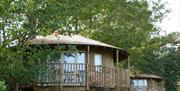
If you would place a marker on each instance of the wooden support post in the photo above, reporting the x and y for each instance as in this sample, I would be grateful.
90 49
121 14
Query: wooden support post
129 64
129 72
61 77
87 69
117 58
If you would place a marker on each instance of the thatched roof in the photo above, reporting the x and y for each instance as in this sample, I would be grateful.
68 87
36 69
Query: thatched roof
71 39
145 76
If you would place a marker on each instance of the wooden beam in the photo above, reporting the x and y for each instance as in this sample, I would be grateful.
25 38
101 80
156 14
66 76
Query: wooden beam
117 58
61 77
129 63
129 71
87 68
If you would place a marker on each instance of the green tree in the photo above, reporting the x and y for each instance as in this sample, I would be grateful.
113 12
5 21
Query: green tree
21 20
124 23
164 61
131 26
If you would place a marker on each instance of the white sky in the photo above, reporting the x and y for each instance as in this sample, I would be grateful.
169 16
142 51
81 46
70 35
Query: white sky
172 22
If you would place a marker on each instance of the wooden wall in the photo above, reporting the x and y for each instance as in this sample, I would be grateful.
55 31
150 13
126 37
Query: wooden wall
152 85
155 85
107 56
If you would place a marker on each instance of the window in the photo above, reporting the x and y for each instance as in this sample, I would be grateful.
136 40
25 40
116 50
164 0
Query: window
74 71
81 57
139 85
71 69
98 62
74 57
69 57
78 57
142 83
97 59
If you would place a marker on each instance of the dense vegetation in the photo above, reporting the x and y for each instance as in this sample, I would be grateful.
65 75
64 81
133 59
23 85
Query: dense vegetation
2 86
151 51
129 24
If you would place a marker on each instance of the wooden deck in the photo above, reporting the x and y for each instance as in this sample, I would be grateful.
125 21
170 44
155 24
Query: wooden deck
82 75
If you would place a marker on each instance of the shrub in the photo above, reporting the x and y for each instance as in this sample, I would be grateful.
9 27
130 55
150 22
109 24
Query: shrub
2 86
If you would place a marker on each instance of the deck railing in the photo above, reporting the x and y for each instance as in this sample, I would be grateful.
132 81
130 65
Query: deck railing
145 88
139 88
108 76
75 74
63 73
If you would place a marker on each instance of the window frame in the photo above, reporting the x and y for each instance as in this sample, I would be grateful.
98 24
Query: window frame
98 68
76 55
136 83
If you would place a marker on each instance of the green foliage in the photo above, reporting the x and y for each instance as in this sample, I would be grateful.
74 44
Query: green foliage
2 86
130 25
24 66
124 23
171 69
164 62
21 20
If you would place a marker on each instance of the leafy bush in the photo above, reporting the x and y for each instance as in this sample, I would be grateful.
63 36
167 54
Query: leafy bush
2 86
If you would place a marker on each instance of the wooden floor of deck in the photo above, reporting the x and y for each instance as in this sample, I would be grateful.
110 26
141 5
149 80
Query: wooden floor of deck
82 88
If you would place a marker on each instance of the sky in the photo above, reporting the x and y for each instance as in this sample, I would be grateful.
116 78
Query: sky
172 22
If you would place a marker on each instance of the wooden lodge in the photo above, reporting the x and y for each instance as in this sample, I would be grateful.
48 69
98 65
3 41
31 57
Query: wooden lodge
94 66
145 82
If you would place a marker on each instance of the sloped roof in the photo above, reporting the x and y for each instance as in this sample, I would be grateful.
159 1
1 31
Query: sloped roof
69 39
